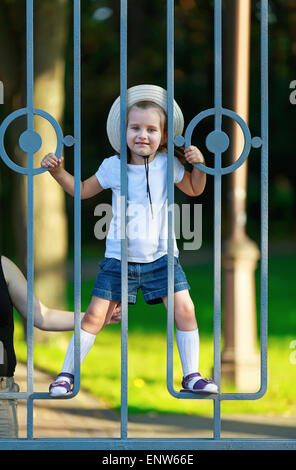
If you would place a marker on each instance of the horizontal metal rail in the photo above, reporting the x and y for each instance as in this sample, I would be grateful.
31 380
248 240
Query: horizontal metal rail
148 444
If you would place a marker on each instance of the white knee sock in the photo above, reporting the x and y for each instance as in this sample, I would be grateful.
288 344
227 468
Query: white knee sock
86 343
188 347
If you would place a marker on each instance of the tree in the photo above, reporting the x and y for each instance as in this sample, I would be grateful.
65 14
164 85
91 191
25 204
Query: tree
51 28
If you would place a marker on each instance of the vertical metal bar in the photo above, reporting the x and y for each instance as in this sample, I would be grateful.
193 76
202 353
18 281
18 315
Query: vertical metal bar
170 190
77 192
30 215
264 191
218 63
217 216
124 241
217 297
30 416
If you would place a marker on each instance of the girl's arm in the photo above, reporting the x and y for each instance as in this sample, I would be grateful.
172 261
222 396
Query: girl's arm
44 318
89 187
193 184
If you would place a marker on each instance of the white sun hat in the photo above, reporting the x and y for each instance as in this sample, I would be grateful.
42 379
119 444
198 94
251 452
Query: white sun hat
137 93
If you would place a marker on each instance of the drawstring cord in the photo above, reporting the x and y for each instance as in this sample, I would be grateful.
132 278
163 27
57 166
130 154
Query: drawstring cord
147 179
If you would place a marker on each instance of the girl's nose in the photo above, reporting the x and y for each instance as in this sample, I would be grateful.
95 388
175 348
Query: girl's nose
142 134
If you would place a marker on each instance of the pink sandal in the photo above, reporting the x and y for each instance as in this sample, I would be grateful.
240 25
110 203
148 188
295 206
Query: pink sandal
61 387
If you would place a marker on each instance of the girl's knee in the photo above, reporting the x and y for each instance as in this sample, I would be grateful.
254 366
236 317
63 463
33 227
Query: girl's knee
185 311
185 315
95 313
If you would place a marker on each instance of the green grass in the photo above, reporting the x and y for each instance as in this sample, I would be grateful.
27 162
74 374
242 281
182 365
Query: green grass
147 390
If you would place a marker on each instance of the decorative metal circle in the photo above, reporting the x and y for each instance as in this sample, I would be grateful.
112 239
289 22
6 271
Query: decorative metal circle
217 141
30 141
256 142
179 141
69 140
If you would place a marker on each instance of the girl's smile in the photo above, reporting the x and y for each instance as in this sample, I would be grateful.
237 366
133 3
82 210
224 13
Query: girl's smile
144 134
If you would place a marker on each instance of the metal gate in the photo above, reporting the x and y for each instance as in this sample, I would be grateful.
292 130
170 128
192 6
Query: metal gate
30 142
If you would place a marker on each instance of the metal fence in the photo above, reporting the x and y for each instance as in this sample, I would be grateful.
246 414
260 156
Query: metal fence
30 142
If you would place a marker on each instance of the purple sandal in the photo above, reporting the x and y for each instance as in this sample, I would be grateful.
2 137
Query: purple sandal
201 385
61 387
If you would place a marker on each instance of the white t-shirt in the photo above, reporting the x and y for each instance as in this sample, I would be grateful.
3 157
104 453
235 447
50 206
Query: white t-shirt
147 235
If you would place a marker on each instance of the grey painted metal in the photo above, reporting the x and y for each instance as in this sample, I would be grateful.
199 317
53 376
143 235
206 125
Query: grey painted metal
217 142
123 208
77 191
170 190
217 215
148 444
30 142
264 194
179 140
30 219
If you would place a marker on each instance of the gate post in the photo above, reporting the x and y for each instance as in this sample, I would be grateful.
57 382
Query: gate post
240 359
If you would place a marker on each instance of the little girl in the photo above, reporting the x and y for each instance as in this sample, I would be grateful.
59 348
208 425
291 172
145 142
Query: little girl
147 229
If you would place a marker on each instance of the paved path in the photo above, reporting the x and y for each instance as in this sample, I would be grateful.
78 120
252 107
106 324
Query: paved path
88 416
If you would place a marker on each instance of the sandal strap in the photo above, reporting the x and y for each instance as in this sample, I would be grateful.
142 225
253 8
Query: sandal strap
199 384
66 374
61 383
188 378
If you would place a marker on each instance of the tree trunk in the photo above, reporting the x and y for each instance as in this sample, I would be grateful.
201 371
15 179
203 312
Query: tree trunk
51 26
9 68
49 203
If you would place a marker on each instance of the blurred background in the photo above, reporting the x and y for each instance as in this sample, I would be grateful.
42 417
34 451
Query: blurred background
194 92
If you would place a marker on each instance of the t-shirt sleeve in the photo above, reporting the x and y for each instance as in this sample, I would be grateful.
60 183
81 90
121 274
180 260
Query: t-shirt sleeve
178 170
104 174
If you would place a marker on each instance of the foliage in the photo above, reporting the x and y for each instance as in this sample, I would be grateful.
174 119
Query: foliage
194 65
147 350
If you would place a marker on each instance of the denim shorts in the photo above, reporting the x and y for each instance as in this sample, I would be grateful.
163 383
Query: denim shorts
150 277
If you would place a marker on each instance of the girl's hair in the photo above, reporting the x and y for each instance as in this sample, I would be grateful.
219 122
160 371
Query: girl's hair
164 123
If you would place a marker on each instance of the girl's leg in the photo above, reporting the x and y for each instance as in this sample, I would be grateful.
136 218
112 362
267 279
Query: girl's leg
184 311
187 338
96 316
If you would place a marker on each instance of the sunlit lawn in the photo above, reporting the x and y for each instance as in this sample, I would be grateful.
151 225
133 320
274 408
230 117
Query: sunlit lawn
147 390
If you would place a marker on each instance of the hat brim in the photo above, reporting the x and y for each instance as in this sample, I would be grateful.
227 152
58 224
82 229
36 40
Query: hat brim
135 94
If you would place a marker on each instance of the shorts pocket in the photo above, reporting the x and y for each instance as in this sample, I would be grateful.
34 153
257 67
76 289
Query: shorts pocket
107 264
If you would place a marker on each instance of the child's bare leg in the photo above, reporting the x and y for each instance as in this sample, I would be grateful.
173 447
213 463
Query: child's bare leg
184 311
97 314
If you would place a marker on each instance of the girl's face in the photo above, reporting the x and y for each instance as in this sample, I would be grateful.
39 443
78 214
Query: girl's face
144 132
